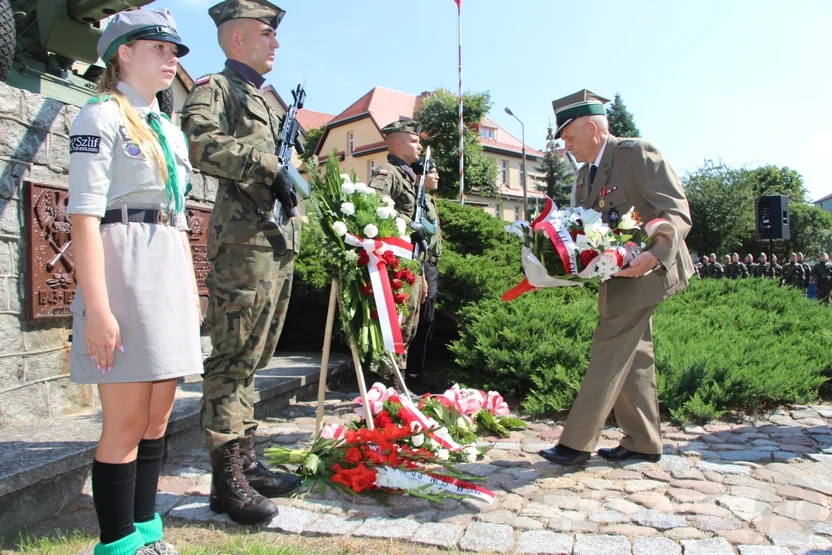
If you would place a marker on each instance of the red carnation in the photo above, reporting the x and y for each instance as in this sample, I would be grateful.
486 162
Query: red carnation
397 284
400 298
363 258
388 258
408 276
374 314
588 256
367 289
353 455
382 419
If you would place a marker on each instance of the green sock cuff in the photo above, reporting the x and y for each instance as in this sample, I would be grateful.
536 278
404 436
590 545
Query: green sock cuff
151 530
125 546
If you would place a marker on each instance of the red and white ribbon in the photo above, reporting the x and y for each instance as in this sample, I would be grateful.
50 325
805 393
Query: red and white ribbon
388 318
404 480
440 434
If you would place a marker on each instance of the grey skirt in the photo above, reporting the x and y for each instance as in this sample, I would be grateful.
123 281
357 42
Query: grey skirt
150 287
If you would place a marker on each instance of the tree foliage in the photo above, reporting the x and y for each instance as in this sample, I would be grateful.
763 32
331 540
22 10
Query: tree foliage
554 174
771 180
312 137
621 120
439 116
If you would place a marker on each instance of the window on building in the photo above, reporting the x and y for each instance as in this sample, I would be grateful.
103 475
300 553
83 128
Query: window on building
517 212
504 172
488 132
497 211
351 141
371 168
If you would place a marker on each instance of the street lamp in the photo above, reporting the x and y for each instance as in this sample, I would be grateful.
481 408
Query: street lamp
523 140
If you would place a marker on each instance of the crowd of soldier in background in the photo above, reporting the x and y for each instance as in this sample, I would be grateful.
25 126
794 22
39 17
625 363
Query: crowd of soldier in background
797 272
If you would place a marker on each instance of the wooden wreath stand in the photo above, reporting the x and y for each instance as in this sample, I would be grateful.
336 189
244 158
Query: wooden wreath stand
356 360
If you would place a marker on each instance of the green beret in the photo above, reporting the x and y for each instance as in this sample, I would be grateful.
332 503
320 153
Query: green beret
261 10
402 126
582 103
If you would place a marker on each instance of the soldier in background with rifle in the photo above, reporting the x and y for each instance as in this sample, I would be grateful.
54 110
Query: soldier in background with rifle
396 179
252 242
428 217
822 272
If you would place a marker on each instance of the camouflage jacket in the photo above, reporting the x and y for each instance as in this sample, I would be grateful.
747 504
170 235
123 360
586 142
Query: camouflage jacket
396 179
793 273
233 134
715 270
732 270
822 272
763 270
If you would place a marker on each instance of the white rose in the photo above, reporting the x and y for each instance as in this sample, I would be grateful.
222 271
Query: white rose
340 228
388 201
401 225
418 440
348 188
383 212
347 208
370 231
345 177
471 453
352 256
443 455
363 189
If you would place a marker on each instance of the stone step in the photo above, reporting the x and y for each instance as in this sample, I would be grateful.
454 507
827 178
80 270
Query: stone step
43 465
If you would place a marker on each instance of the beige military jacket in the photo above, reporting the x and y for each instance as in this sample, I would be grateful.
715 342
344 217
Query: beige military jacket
633 173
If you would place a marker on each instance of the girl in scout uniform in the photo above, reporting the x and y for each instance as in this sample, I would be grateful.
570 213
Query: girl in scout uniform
135 314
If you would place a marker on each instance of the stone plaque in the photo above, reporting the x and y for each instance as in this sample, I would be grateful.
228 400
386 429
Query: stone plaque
50 268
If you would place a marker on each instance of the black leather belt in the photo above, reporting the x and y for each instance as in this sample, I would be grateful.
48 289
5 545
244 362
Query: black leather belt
139 215
431 259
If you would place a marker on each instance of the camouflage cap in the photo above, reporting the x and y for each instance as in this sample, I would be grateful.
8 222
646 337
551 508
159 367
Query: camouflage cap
261 10
402 126
148 24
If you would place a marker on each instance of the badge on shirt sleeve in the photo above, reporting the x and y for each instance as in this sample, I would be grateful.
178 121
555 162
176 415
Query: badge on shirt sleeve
84 143
382 172
130 148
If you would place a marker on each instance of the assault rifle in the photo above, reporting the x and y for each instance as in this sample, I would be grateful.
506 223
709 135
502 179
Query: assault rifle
420 244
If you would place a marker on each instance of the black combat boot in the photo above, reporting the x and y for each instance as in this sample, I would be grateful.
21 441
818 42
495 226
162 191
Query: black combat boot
260 478
231 493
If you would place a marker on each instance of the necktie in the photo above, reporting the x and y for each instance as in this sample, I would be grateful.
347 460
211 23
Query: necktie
593 169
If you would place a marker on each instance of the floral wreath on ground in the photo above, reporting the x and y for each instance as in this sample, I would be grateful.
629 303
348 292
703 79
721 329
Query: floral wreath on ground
368 248
412 448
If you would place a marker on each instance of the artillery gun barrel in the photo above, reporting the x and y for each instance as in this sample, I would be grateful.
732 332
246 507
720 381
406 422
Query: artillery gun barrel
90 11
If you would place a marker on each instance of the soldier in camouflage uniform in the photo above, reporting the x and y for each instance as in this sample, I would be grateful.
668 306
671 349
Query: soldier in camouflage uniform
233 134
822 272
731 271
776 269
807 270
750 265
715 269
396 179
418 352
763 268
793 273
742 271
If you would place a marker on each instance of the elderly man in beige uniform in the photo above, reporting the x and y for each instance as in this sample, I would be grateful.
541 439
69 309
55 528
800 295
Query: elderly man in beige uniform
620 174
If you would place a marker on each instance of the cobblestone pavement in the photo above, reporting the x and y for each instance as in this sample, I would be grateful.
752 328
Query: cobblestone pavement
750 487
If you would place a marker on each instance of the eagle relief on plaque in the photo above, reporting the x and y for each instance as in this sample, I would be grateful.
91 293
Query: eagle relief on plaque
50 268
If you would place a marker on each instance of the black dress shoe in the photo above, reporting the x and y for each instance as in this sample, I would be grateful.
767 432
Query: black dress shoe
566 456
622 453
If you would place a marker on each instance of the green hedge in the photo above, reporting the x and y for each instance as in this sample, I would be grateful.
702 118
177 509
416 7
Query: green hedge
720 345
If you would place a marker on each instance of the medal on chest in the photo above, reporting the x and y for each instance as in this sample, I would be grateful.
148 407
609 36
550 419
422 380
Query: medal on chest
614 217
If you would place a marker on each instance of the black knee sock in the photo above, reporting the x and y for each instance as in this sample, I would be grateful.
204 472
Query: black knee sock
113 490
148 468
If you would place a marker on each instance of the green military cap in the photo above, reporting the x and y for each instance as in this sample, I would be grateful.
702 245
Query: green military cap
402 126
261 10
582 103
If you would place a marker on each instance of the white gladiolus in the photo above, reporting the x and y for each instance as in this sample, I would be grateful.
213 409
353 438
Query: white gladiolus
370 231
401 225
340 228
352 256
443 455
348 188
347 208
418 441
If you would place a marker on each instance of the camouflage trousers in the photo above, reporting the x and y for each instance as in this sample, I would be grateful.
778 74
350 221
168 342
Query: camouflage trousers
409 324
250 288
824 291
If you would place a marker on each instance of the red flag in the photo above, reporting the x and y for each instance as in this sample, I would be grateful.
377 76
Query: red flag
458 3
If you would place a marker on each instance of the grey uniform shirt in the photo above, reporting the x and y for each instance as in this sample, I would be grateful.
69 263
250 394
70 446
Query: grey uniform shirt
107 170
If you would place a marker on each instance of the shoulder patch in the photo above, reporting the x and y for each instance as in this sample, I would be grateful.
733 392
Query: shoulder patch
629 144
382 172
202 80
84 143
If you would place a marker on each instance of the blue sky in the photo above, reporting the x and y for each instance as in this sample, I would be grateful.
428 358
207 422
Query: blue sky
745 81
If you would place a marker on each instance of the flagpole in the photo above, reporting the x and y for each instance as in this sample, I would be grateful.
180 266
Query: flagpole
461 128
